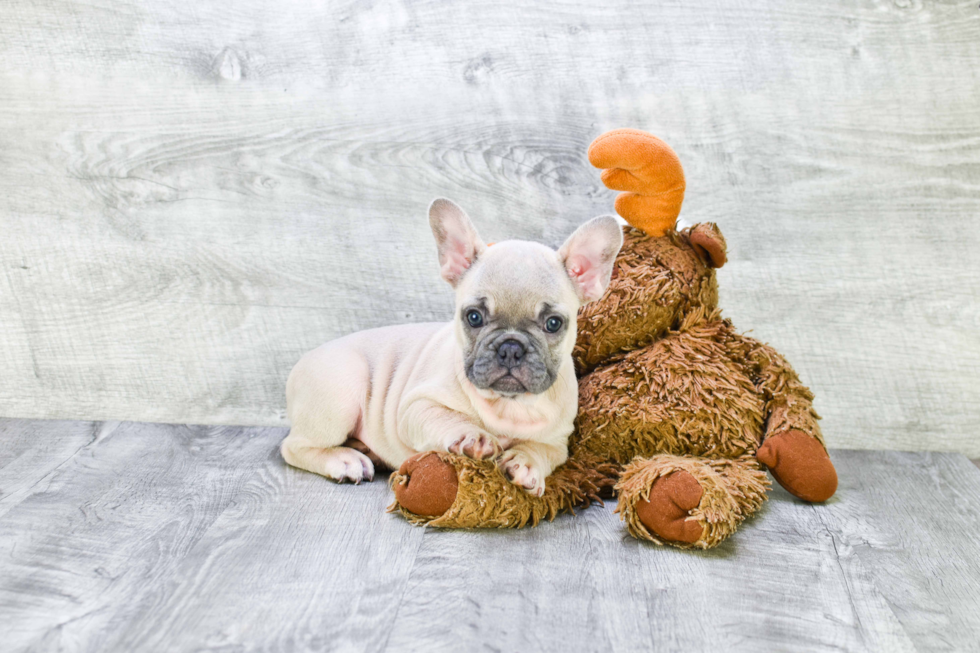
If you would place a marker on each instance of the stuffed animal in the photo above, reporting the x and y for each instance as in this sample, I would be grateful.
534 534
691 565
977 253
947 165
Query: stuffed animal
679 415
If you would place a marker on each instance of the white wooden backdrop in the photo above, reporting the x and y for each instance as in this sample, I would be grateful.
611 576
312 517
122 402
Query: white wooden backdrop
194 193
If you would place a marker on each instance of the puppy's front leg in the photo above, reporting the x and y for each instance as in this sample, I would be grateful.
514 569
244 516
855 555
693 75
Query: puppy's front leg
428 426
528 464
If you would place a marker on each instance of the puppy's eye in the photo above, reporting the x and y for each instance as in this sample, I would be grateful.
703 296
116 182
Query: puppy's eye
474 318
553 324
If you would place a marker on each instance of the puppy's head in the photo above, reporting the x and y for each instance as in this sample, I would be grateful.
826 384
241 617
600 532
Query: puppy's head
516 302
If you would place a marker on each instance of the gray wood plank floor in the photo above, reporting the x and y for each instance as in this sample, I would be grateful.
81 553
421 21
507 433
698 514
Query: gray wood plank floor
132 536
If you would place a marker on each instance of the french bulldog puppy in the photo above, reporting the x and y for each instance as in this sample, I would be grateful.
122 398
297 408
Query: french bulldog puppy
496 381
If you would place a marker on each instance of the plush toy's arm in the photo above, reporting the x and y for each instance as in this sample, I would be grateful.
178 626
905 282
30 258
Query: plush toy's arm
793 447
450 491
789 402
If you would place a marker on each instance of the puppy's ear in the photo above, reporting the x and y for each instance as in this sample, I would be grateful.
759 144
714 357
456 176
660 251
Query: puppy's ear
588 256
456 239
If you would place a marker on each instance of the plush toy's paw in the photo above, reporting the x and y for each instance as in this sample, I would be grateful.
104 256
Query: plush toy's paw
428 485
800 464
666 512
519 469
474 443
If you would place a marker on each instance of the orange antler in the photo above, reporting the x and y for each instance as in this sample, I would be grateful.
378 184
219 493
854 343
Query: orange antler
648 170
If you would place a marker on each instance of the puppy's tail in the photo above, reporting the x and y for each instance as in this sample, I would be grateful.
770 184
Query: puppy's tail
649 172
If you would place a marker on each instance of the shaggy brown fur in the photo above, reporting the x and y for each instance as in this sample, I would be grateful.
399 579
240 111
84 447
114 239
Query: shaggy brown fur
690 392
656 281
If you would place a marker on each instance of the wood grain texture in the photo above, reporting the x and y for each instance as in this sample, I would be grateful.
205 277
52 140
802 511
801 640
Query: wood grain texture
176 538
194 195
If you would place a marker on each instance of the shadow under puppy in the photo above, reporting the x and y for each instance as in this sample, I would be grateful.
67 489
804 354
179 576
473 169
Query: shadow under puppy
496 381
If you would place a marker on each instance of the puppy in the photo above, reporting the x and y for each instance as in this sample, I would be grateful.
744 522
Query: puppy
496 381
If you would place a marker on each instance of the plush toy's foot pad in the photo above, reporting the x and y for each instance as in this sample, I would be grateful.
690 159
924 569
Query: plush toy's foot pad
672 498
800 464
429 487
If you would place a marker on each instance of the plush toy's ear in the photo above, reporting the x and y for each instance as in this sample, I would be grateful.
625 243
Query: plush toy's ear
648 170
588 256
707 241
456 239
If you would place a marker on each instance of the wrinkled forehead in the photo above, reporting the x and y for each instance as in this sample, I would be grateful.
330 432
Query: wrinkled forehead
519 276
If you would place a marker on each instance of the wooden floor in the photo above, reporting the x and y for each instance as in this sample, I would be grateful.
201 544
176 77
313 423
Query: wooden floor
130 536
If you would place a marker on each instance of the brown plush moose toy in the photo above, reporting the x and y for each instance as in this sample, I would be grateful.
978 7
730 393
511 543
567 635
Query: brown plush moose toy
679 414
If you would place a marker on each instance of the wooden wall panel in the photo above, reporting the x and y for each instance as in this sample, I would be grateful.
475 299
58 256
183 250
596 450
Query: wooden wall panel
195 193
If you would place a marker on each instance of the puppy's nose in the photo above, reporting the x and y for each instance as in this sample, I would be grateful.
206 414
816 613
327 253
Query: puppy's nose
510 353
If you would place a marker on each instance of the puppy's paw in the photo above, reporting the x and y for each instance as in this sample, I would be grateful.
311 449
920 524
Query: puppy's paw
521 471
474 443
344 464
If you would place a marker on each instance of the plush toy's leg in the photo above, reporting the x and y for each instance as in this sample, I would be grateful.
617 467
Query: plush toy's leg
688 501
793 448
450 491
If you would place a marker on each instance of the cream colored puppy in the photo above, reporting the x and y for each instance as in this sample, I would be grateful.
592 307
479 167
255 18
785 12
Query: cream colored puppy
496 381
